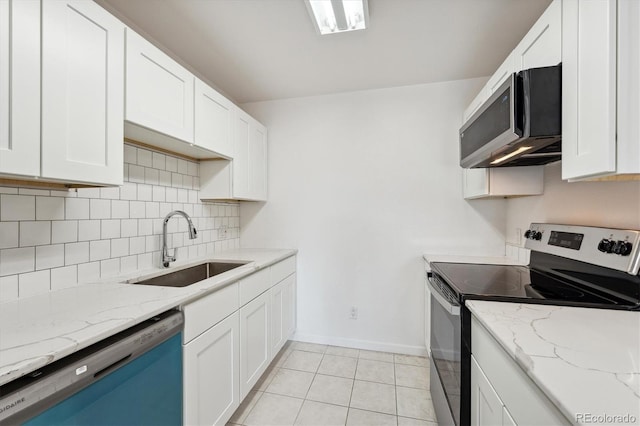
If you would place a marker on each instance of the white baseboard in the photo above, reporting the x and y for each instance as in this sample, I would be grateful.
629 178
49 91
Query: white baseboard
360 344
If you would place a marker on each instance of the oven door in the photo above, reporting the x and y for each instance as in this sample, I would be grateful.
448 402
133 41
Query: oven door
445 352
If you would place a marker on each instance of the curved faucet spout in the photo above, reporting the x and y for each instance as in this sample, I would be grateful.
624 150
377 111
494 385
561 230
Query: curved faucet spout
193 233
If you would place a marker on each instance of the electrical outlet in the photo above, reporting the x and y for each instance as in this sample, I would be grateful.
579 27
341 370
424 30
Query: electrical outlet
353 314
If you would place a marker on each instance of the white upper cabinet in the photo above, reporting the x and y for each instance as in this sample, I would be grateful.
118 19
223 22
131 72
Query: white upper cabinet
244 178
20 87
501 75
213 120
82 92
159 90
61 92
542 46
600 89
500 182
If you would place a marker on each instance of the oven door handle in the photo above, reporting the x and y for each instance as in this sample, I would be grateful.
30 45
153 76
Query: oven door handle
448 306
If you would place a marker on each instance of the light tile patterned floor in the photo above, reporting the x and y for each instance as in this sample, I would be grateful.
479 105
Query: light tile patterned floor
320 385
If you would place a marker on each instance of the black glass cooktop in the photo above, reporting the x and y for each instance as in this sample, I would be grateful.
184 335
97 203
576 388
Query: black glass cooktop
521 283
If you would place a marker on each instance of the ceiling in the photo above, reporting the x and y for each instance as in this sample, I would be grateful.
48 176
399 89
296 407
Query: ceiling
255 50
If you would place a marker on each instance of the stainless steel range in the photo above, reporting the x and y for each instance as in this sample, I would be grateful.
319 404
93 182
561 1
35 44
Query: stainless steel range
570 265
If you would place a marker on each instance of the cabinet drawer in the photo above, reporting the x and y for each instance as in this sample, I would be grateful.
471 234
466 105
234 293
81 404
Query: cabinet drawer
254 285
206 312
283 269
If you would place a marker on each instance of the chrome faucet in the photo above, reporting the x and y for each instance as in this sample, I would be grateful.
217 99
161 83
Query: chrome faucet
166 259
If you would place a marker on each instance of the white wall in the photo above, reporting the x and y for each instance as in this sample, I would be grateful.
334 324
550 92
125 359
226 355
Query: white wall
363 184
608 204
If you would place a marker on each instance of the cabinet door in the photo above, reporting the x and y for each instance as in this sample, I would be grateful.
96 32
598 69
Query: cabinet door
475 183
82 92
20 87
213 114
542 46
475 104
588 88
278 317
211 381
257 161
507 420
254 342
240 162
159 90
486 406
289 307
502 73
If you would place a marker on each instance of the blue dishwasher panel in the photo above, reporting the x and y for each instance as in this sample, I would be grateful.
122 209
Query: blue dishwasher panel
146 391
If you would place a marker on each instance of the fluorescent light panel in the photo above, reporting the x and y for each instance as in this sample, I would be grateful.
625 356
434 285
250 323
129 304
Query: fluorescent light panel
335 16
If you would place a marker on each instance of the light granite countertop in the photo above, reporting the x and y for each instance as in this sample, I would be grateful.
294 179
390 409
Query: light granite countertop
39 330
584 360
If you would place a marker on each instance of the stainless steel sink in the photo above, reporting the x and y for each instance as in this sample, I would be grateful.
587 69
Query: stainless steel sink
191 275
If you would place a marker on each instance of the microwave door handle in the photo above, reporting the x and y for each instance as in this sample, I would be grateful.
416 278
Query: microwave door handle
448 306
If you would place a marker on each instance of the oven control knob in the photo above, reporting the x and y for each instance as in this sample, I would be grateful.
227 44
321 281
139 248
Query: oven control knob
624 248
606 246
536 235
527 233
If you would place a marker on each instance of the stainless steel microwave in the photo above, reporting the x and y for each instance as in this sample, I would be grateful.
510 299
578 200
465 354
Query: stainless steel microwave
519 125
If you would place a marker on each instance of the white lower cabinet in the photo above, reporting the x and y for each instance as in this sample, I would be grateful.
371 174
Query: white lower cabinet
254 341
211 374
228 341
282 312
501 392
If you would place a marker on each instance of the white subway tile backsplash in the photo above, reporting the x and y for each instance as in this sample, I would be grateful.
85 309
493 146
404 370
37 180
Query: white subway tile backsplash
183 166
99 250
129 191
9 234
49 208
144 158
110 268
64 231
76 208
64 277
35 233
158 193
137 209
151 176
82 235
110 229
129 228
48 257
33 283
100 209
128 264
164 178
8 288
136 174
88 230
120 247
119 209
89 192
75 253
171 164
137 245
176 180
158 160
88 272
112 193
29 191
144 193
17 207
145 227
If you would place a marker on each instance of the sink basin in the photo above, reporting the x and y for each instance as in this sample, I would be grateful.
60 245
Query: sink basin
191 275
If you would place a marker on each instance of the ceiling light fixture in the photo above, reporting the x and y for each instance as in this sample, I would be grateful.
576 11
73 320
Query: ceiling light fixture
511 154
335 16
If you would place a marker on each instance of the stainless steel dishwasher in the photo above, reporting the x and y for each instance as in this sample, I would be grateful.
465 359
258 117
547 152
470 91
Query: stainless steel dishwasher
131 378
